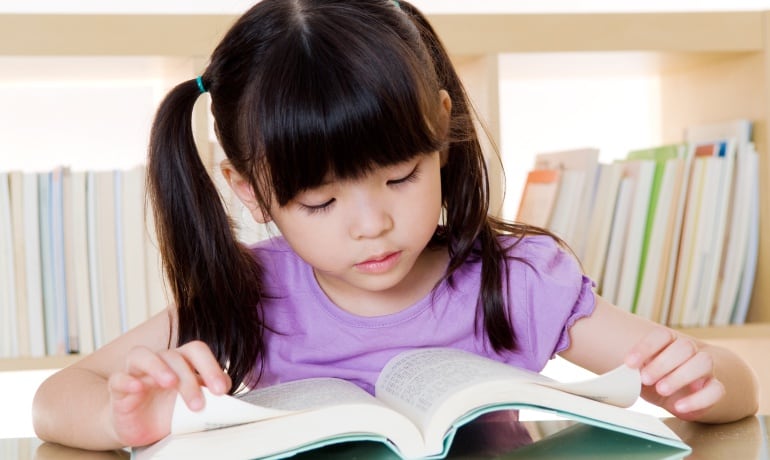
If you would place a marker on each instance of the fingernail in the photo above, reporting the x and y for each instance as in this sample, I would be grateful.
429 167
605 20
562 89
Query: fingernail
196 403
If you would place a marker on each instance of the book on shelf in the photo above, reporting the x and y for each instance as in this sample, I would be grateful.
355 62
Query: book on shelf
59 318
539 197
737 247
749 266
600 222
700 312
703 249
47 267
61 230
689 269
703 238
34 270
565 207
655 244
643 172
132 247
654 298
579 168
421 398
69 286
16 187
8 341
617 241
731 216
739 214
93 277
104 245
76 250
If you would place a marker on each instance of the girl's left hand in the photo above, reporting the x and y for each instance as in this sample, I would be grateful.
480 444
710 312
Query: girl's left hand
677 373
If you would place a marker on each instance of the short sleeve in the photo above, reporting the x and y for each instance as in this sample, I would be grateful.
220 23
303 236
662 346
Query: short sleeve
548 293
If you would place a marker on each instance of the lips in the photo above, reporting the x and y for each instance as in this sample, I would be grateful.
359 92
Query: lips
380 263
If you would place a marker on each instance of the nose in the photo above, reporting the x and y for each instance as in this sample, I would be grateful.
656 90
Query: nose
371 218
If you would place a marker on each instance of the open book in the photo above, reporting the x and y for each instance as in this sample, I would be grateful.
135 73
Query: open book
422 397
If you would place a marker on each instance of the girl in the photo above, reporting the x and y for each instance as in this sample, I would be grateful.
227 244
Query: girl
345 124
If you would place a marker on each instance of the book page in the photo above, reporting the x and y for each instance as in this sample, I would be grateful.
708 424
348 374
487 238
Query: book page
284 419
417 382
308 394
440 389
218 412
620 387
266 403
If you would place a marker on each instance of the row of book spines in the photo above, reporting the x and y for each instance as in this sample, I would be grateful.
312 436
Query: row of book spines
84 266
602 244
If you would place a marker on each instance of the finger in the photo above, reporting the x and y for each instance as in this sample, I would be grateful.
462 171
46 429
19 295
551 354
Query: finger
647 348
125 392
188 384
707 396
692 373
121 384
142 362
671 358
200 357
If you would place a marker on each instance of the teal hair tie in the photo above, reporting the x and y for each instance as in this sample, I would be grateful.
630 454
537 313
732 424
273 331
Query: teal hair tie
398 5
199 81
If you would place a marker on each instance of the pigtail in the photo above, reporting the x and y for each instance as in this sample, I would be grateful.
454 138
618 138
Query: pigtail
213 278
469 231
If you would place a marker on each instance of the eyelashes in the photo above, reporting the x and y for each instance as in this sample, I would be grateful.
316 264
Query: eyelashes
318 208
413 176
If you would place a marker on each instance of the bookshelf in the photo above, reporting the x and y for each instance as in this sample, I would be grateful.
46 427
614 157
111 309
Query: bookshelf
712 65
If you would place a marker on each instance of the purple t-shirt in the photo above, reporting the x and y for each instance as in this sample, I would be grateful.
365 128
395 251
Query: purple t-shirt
309 336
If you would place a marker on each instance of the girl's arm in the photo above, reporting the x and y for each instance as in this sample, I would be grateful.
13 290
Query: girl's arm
123 393
689 378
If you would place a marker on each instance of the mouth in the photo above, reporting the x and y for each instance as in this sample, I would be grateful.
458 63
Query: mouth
380 263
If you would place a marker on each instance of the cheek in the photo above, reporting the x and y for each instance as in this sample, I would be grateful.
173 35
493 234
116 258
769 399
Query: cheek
317 247
426 209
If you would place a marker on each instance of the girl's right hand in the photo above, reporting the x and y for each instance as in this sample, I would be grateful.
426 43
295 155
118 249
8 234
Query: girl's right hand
142 395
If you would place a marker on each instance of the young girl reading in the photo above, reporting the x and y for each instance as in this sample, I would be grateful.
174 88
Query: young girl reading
345 124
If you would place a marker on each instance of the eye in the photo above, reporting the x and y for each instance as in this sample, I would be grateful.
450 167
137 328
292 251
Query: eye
411 177
317 208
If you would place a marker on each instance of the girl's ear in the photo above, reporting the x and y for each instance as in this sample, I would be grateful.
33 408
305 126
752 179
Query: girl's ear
244 192
446 116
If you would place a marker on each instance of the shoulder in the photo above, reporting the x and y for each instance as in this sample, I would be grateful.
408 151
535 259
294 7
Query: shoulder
271 247
543 274
277 258
547 293
540 255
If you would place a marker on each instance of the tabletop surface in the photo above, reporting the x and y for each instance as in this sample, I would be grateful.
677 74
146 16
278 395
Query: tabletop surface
746 439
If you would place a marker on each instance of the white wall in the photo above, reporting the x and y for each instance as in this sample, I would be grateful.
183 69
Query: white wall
83 112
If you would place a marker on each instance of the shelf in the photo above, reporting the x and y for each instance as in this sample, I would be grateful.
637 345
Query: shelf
749 331
720 54
29 364
471 34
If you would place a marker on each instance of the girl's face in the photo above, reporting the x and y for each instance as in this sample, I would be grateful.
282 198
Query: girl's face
367 236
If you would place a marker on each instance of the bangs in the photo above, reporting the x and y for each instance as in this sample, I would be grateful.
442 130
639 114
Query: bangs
335 106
